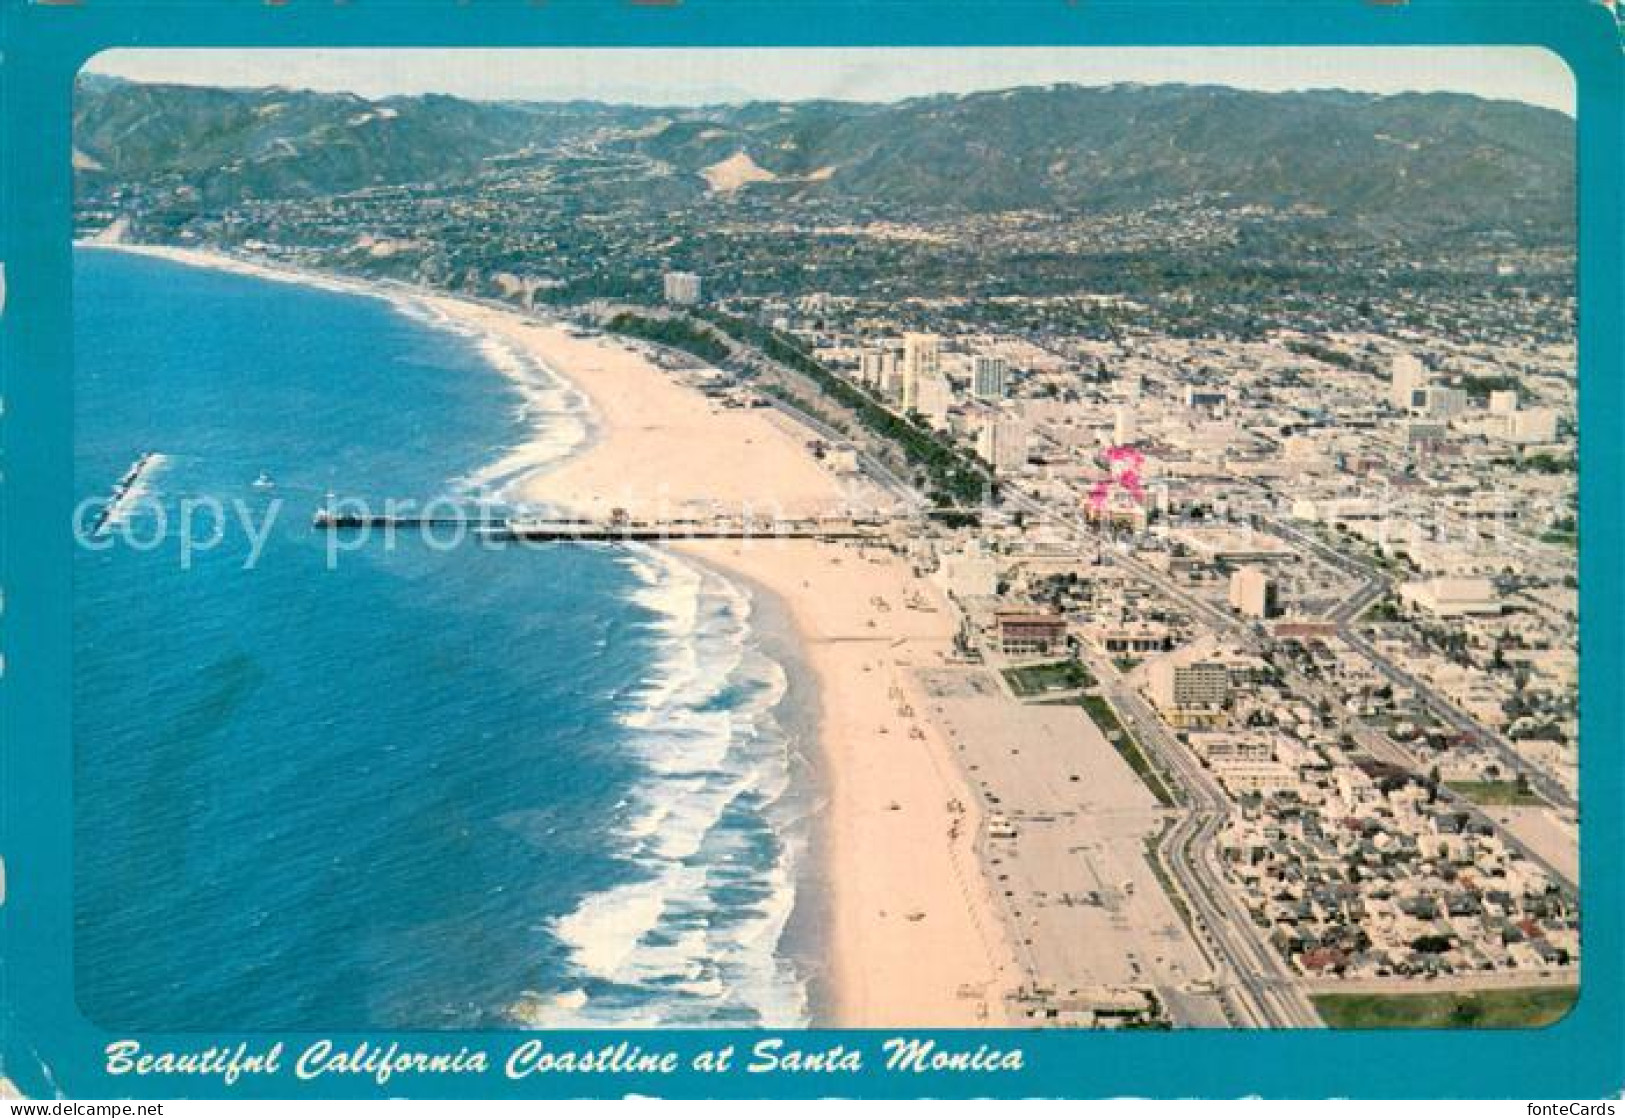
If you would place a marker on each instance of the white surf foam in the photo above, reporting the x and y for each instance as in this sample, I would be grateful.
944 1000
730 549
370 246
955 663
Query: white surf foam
604 931
694 938
557 415
138 495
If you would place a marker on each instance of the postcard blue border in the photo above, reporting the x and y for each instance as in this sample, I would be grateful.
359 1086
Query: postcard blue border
44 46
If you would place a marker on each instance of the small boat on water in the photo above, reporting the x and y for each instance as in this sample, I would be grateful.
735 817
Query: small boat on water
264 481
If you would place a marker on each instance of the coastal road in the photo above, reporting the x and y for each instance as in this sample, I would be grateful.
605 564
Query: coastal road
750 357
1269 996
876 470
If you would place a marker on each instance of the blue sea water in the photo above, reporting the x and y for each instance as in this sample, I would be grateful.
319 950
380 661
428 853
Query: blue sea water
402 786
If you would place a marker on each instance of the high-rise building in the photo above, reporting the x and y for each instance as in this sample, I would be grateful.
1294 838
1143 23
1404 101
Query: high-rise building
990 377
877 368
1252 593
1408 382
922 357
1439 402
682 288
1173 687
933 396
1002 443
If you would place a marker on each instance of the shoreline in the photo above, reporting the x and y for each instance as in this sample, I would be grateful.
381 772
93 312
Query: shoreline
218 261
917 941
890 877
807 929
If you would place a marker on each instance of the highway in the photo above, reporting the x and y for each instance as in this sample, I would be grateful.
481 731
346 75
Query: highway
1270 998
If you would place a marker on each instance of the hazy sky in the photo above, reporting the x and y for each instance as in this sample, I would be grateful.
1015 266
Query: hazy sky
688 77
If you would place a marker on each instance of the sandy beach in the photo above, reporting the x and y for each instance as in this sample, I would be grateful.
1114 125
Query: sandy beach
914 936
915 939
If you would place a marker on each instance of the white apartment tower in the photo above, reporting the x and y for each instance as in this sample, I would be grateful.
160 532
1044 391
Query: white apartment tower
877 368
933 396
1125 432
1409 381
682 288
922 358
1252 593
1002 443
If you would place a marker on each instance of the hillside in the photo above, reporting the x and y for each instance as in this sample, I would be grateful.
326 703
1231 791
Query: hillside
1411 160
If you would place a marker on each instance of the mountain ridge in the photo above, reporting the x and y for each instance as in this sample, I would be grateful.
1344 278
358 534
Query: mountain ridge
1403 159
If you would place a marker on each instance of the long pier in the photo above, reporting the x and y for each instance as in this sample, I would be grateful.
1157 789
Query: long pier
616 529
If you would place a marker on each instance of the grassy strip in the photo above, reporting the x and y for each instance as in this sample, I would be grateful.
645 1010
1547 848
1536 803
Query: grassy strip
1526 1008
1127 747
674 333
1495 793
1039 679
1153 858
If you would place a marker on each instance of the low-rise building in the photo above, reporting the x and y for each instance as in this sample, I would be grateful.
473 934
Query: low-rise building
1026 633
1452 597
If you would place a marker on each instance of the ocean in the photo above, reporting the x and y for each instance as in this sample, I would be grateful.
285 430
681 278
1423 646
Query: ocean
407 785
